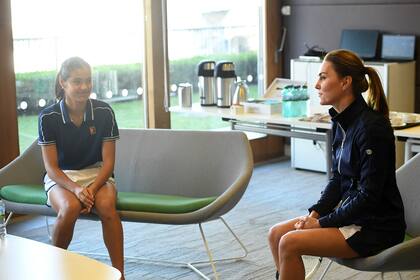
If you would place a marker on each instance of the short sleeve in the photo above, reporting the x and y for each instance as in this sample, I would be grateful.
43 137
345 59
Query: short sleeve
110 132
46 129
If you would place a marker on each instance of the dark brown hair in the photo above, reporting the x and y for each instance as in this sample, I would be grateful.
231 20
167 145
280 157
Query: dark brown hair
66 68
347 63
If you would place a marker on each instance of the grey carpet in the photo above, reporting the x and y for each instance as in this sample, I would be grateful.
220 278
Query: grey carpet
276 193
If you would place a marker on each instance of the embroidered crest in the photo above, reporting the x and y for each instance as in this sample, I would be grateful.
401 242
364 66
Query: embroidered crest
92 130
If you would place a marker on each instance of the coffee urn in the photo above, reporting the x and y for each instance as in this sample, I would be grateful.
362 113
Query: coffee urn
206 84
225 83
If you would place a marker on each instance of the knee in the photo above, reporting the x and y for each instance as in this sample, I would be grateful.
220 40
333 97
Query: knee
274 234
289 244
70 210
106 209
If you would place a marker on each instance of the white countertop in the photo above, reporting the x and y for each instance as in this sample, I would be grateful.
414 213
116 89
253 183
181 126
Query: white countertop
274 118
412 132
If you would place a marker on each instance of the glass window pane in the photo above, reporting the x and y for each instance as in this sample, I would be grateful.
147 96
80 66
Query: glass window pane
217 30
107 34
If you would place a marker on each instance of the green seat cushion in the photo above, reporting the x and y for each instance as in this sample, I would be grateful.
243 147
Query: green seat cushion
30 194
129 201
407 237
144 202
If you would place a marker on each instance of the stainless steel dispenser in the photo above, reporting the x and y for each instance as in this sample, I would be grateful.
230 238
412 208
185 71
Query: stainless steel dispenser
241 93
206 83
225 83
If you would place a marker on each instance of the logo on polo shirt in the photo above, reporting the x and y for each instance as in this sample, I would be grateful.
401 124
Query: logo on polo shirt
92 130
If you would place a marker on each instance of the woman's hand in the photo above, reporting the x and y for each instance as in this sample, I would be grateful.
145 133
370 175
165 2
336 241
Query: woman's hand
307 222
92 190
86 198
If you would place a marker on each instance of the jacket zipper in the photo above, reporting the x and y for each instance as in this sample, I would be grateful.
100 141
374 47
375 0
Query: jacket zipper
342 147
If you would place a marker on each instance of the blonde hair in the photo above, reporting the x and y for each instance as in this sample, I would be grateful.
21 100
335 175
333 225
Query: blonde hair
347 63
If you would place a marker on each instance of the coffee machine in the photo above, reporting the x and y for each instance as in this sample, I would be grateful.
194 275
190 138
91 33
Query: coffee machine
225 83
206 83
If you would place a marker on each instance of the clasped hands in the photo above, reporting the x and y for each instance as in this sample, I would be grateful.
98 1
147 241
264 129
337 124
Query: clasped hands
307 222
86 197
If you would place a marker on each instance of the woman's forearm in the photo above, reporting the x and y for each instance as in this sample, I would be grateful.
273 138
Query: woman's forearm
58 176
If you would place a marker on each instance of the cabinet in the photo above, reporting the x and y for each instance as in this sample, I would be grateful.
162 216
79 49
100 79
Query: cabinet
398 81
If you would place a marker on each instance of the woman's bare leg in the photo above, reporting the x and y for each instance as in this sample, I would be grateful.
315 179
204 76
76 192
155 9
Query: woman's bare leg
68 208
105 205
326 242
275 234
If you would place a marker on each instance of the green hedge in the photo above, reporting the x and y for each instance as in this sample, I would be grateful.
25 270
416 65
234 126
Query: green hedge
33 86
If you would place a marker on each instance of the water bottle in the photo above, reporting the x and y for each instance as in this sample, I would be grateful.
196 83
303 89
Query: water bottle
2 219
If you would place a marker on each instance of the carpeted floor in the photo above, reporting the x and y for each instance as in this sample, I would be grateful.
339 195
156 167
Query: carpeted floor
276 193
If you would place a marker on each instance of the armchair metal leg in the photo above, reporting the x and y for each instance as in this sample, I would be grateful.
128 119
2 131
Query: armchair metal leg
213 266
191 265
326 269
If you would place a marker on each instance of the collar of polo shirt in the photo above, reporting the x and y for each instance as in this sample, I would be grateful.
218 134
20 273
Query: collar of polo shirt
88 115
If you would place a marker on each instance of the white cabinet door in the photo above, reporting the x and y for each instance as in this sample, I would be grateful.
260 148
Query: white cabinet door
308 154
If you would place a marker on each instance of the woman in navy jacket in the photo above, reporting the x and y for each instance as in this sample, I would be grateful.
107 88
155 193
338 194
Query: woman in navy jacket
360 212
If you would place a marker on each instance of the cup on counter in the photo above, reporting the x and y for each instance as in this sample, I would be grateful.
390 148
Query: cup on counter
185 94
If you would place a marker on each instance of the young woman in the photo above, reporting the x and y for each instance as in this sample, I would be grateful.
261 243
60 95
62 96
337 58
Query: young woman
77 137
360 212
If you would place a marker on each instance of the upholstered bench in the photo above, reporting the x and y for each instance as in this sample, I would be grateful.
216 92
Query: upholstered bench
162 176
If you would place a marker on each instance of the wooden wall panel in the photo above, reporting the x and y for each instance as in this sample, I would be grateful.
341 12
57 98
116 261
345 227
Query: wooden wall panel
271 146
9 145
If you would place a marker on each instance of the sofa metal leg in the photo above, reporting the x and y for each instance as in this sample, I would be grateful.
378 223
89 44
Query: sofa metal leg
191 265
6 222
244 249
48 228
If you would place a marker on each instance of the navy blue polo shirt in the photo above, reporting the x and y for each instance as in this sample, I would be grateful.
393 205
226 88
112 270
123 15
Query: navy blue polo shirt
77 147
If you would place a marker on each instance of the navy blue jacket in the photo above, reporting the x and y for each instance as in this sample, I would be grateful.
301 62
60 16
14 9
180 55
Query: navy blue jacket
363 188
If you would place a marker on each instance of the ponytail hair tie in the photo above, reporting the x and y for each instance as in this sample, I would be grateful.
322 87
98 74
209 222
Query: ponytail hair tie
365 70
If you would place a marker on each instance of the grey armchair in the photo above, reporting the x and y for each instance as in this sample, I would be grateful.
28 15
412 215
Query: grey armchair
404 256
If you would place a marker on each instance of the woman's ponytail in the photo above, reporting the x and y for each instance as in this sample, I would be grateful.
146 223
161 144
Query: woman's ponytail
376 96
59 91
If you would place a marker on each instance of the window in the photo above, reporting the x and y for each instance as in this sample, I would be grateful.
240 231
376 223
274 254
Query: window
107 34
213 30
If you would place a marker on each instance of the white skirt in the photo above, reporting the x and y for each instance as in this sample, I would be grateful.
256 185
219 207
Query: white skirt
83 177
348 231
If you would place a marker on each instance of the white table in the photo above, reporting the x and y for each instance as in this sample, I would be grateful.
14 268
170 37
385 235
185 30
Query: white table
411 137
294 127
274 124
22 259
